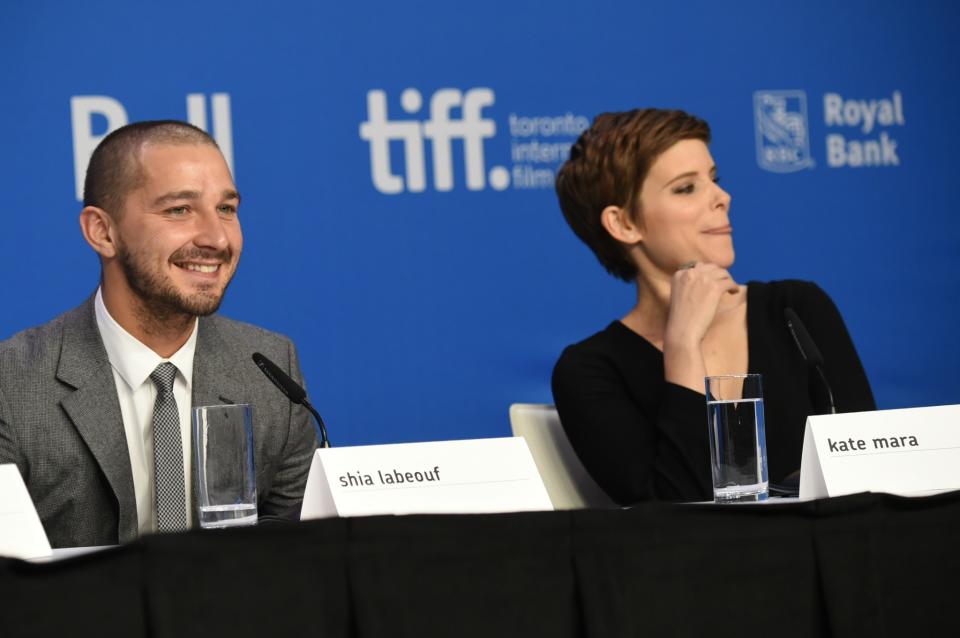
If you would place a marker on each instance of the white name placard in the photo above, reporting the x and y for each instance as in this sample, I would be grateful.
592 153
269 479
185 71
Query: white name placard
21 534
911 452
441 477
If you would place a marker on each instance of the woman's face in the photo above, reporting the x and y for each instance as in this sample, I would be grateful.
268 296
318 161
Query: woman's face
684 214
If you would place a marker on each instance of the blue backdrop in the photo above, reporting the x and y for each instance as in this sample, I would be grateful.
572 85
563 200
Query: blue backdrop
396 166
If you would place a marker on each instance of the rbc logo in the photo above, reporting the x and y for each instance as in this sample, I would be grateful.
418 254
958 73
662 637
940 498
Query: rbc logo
783 144
441 129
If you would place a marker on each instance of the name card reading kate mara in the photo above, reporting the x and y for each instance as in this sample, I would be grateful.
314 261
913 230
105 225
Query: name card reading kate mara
440 477
911 452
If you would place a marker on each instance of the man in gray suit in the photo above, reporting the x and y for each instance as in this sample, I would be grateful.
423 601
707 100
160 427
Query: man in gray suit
94 406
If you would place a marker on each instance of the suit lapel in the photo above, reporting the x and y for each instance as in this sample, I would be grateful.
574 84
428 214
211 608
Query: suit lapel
95 409
215 380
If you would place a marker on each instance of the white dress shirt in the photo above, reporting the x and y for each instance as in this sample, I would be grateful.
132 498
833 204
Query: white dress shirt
132 364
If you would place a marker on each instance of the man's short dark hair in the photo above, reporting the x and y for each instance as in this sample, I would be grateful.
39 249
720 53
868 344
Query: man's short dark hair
607 166
114 168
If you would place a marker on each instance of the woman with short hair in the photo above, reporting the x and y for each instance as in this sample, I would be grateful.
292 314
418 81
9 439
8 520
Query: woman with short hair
641 190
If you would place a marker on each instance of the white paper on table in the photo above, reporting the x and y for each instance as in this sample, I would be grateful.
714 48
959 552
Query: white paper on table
21 534
438 477
911 452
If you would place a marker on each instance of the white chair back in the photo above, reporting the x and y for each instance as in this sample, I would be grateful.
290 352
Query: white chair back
568 483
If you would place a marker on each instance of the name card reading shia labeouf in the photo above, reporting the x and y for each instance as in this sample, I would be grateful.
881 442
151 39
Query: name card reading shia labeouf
441 477
911 452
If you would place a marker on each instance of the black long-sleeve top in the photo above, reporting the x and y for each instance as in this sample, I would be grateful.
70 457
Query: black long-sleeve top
643 438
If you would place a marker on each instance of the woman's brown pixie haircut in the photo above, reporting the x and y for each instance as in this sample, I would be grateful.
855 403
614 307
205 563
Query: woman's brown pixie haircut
607 166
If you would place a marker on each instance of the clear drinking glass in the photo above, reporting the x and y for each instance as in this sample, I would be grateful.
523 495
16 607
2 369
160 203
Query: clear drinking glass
738 445
225 477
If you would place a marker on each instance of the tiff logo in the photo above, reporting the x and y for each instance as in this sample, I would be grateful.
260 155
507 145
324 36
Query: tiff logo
83 109
441 129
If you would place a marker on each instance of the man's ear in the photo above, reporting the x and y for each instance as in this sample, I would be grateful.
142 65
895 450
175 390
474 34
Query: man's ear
98 228
621 226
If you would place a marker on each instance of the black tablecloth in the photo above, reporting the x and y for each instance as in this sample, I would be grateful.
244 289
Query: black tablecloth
863 565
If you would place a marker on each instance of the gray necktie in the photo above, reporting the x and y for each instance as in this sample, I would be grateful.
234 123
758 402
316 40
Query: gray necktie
168 453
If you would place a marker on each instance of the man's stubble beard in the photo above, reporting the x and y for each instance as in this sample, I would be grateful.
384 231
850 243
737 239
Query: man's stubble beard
161 304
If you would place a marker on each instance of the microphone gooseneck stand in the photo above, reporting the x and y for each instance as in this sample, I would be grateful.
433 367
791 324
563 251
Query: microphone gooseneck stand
292 390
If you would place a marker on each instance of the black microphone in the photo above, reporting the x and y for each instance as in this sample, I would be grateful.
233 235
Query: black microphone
808 350
291 389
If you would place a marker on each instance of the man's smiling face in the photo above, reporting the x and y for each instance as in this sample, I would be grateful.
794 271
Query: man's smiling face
178 236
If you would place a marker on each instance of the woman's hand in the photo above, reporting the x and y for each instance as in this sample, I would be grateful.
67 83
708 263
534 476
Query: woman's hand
695 295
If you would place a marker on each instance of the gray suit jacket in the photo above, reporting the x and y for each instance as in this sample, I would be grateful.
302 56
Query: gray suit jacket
60 422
